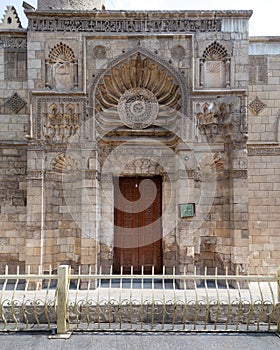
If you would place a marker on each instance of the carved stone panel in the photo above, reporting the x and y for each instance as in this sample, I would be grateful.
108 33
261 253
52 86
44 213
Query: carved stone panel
258 70
62 121
15 103
15 64
58 119
256 106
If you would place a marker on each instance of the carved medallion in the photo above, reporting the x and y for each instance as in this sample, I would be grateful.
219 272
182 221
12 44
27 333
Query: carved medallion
138 108
178 52
99 52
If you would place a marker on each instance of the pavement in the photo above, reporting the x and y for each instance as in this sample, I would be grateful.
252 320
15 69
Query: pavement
128 341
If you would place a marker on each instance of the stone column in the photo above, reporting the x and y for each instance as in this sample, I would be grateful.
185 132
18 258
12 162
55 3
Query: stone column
89 213
239 208
185 194
35 232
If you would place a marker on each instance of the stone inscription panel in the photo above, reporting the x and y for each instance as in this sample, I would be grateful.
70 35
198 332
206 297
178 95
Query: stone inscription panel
125 26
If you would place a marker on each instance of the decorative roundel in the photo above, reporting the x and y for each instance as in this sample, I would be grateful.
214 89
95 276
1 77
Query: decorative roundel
138 108
178 52
99 52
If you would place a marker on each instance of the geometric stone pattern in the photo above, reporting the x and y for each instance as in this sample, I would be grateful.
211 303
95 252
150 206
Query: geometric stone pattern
15 103
256 106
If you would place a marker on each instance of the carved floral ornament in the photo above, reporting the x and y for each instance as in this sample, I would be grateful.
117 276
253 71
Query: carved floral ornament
135 92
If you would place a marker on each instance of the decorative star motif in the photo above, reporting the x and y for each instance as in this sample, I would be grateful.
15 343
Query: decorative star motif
15 103
256 106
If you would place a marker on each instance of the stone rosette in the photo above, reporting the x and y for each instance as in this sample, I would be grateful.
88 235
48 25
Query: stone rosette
138 108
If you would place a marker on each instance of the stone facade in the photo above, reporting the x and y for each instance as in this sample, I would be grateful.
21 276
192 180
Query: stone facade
90 96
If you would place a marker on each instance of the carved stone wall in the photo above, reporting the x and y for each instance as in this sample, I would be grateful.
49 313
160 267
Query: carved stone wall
95 102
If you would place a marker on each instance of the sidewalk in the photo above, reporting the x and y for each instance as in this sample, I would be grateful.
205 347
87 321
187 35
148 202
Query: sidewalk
142 342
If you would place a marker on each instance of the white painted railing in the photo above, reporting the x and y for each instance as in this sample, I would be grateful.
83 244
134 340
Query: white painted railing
166 302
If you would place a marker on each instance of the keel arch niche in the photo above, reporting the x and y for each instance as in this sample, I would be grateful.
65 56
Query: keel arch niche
137 92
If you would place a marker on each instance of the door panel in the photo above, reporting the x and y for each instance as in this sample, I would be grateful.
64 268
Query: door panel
138 229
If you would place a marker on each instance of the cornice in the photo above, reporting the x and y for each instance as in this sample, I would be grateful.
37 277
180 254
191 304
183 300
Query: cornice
122 14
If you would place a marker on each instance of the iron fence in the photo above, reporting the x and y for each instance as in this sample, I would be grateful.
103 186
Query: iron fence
166 302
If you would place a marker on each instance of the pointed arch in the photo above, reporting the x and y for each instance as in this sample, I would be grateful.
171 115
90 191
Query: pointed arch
138 90
176 75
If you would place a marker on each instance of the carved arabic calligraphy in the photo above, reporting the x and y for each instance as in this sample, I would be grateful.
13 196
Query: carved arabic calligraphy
125 26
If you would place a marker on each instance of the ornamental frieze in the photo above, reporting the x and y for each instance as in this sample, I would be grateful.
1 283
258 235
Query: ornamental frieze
13 43
125 25
264 151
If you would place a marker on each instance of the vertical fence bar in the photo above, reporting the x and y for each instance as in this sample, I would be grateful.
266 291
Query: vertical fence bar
278 284
62 295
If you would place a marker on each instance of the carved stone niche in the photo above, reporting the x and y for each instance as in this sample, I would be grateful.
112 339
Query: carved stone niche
61 69
214 67
61 121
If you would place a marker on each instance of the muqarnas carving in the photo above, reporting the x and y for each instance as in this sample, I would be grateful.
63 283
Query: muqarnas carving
62 121
138 92
215 67
213 119
61 69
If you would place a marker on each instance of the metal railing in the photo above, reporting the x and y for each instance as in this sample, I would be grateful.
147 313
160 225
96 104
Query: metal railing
166 302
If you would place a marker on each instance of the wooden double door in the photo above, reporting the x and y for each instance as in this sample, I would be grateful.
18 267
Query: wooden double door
138 224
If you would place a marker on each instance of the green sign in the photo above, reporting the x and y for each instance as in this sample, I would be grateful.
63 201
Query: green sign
187 210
